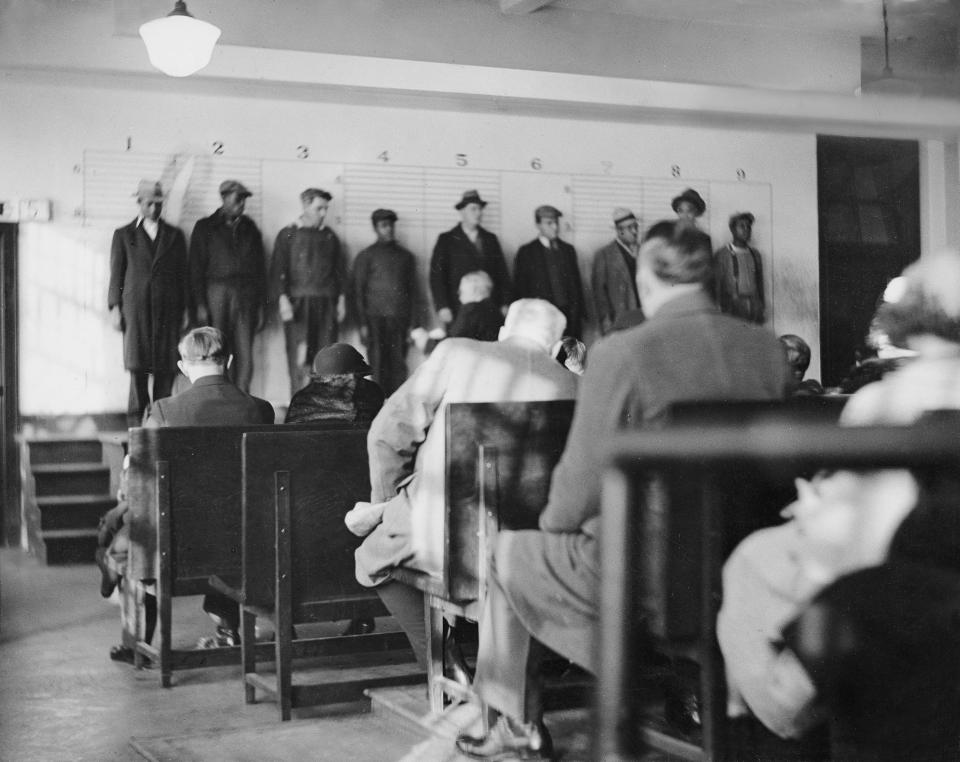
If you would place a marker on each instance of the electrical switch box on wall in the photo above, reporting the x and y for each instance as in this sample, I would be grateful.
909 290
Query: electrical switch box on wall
33 210
9 211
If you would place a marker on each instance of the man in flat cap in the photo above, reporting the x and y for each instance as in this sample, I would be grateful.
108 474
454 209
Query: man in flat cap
739 273
615 271
547 268
689 206
148 297
384 292
228 276
309 277
466 248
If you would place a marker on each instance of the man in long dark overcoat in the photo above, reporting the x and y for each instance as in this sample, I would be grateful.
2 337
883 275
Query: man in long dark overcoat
547 268
147 298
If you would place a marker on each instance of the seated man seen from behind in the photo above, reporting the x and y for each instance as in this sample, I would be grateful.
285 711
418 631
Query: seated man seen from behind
404 522
479 317
211 400
544 584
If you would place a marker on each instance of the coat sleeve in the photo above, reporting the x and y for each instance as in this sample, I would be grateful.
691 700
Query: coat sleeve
358 283
260 264
439 273
199 257
340 266
521 273
601 295
600 411
118 270
758 266
280 264
502 291
183 273
402 424
576 285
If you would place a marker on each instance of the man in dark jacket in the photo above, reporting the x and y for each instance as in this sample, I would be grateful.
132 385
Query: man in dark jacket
147 298
547 268
544 584
228 276
384 292
212 400
308 276
465 249
615 272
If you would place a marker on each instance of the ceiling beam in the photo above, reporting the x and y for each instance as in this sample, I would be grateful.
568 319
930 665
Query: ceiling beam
519 7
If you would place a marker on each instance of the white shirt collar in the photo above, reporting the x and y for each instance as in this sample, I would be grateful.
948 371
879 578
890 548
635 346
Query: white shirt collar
545 241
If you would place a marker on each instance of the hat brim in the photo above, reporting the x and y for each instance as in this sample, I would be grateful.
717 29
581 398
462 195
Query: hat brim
700 205
462 204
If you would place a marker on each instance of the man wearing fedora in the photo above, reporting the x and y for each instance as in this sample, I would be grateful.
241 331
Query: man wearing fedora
466 248
615 271
689 206
228 276
547 268
147 298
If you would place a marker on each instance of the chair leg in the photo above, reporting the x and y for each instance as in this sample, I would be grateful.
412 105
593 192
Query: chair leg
138 614
284 649
248 652
434 626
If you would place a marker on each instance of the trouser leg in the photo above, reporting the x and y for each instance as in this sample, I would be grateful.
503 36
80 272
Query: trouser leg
395 352
405 604
295 337
375 353
139 397
224 608
508 676
244 321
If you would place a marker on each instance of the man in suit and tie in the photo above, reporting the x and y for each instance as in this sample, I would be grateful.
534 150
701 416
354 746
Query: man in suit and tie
147 298
615 272
547 268
463 249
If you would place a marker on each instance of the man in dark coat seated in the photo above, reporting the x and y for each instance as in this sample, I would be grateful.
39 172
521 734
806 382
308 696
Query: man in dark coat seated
211 400
544 585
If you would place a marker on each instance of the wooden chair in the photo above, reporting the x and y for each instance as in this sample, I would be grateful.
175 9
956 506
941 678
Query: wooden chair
716 459
499 459
298 564
185 527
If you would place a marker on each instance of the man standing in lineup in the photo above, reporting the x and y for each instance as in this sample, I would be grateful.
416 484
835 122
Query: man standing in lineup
147 298
466 248
615 272
547 268
689 206
308 274
228 276
739 272
384 291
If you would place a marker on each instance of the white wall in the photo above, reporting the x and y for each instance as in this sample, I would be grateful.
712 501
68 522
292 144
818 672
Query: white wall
46 129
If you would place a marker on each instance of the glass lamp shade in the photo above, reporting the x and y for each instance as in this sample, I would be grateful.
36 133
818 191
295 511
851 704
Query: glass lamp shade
179 44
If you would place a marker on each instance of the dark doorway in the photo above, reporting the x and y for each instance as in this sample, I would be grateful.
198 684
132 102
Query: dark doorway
869 208
9 395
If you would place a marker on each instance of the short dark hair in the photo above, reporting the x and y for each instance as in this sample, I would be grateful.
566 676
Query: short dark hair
798 352
686 255
735 218
311 193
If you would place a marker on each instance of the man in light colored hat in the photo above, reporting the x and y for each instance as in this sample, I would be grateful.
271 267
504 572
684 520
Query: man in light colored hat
384 288
466 248
228 276
615 271
547 268
309 277
147 298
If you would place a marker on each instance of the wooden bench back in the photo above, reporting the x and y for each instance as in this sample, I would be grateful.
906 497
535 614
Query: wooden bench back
323 474
196 473
499 459
711 458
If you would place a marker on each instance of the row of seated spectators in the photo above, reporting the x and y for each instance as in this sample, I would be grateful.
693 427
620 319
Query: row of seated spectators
543 588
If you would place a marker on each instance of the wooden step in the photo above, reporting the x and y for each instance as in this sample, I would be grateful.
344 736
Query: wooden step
71 479
66 450
70 546
73 511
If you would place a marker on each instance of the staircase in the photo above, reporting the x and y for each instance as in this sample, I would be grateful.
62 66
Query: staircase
67 486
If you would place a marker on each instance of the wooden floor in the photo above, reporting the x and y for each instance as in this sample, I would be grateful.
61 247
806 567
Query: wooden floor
61 698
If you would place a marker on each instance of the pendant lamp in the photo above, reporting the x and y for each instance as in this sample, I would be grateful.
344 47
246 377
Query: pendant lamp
179 44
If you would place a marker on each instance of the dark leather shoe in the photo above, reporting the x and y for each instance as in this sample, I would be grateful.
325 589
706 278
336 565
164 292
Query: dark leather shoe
507 740
360 626
454 665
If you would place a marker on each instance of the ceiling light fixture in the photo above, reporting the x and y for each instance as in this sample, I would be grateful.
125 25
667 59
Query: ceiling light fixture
179 44
887 83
